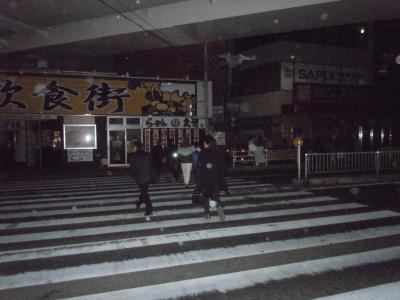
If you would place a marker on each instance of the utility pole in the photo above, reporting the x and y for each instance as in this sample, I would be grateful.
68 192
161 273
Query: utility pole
205 84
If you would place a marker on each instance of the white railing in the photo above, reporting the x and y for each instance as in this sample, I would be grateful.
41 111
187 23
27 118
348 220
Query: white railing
343 162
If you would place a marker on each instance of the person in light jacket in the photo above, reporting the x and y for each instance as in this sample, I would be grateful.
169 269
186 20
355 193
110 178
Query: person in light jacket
185 156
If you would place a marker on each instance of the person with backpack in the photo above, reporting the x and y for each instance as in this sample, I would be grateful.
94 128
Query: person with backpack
196 196
210 172
195 155
142 170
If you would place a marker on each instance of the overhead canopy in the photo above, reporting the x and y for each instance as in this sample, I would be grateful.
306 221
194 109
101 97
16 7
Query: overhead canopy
115 26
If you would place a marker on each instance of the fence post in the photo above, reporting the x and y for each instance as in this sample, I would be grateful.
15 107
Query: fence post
377 162
305 166
298 162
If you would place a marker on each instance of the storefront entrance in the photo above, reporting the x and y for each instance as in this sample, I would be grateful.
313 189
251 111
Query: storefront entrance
123 132
30 141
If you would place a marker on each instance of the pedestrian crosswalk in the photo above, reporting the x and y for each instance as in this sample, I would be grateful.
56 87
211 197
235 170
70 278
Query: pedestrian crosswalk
83 238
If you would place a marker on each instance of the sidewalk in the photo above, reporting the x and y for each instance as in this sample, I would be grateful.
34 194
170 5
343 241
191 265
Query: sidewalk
284 169
350 179
278 168
49 173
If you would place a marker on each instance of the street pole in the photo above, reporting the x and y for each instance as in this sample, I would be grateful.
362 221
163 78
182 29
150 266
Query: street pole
298 142
298 162
205 84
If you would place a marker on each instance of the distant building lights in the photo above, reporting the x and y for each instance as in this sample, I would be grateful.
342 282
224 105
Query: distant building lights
360 133
397 59
324 16
362 30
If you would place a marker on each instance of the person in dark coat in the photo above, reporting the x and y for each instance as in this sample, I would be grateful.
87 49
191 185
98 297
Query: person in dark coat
223 185
173 161
210 172
158 153
142 170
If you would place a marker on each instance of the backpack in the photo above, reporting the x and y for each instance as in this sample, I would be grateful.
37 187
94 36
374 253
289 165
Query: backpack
195 158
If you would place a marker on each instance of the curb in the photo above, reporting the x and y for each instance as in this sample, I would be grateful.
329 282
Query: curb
346 180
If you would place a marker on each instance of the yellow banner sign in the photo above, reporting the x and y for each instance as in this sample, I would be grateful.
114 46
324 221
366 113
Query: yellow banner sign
57 95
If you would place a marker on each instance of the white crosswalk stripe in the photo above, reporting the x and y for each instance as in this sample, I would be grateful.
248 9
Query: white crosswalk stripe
85 239
233 281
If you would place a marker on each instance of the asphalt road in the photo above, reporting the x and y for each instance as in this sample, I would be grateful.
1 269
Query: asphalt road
83 238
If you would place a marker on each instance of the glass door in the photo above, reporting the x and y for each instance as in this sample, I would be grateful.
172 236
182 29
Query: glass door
123 132
116 146
132 136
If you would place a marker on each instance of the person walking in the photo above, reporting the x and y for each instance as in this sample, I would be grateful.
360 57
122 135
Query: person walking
142 170
158 154
210 169
251 146
185 152
172 162
196 195
195 155
223 185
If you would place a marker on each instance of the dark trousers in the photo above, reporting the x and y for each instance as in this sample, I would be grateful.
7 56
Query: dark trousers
224 186
157 167
144 197
210 192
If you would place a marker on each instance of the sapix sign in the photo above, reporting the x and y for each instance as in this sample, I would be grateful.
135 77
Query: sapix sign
329 74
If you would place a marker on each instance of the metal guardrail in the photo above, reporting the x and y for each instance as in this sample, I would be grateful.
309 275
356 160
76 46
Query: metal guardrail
244 157
343 162
281 154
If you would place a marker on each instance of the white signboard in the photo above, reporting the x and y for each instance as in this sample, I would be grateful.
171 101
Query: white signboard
78 155
308 73
172 122
353 76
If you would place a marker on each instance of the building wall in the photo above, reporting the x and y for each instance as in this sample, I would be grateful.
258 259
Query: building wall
259 79
322 127
309 53
263 104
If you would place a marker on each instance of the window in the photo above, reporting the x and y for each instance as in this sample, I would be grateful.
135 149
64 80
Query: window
115 121
133 121
80 136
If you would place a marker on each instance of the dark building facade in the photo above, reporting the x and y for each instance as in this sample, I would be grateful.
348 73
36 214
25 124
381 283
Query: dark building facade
327 95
